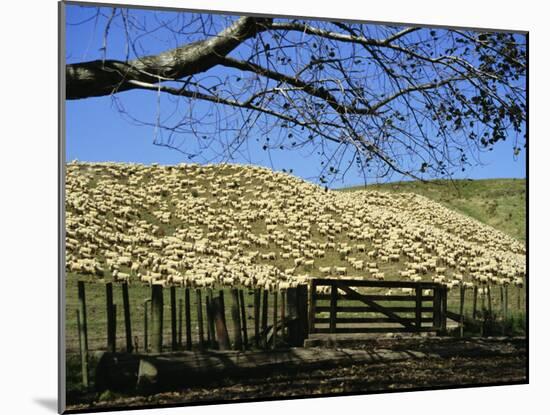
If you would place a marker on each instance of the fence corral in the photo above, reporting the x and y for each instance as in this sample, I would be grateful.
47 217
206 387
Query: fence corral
156 319
155 324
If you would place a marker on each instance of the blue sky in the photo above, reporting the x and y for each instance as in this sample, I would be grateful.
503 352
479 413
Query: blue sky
96 131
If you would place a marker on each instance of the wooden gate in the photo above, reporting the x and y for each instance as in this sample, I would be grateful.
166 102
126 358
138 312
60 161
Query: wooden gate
360 306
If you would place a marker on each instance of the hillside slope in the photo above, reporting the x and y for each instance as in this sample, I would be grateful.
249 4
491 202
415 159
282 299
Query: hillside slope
499 203
235 225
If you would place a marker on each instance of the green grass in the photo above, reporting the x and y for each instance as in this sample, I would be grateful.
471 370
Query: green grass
499 203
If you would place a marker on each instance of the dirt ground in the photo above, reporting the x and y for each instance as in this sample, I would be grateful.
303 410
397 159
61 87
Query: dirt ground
504 362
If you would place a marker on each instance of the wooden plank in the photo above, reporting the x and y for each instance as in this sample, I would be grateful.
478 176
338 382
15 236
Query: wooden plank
354 294
365 309
188 339
343 320
377 297
83 333
157 312
333 304
218 312
376 284
236 318
347 330
111 329
243 318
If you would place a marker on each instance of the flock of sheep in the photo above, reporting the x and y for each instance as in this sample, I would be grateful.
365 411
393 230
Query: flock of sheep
229 225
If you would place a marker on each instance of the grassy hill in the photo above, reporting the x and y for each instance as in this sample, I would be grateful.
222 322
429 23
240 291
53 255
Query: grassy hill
499 203
224 226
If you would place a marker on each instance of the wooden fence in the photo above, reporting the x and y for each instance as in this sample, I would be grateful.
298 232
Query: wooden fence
187 318
359 306
199 319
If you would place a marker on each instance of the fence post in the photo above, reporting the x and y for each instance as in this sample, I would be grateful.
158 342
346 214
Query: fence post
501 289
83 332
462 292
506 301
474 306
145 325
275 311
418 308
302 311
173 318
157 310
489 302
210 319
111 330
265 305
180 323
199 317
222 301
283 308
292 308
312 305
436 308
127 320
114 325
443 310
83 351
219 316
257 317
235 316
297 312
188 339
333 304
243 318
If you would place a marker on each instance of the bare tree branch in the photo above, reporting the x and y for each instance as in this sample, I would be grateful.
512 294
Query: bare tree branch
409 100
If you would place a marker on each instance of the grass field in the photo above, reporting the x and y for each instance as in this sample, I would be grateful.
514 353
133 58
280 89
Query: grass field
500 203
